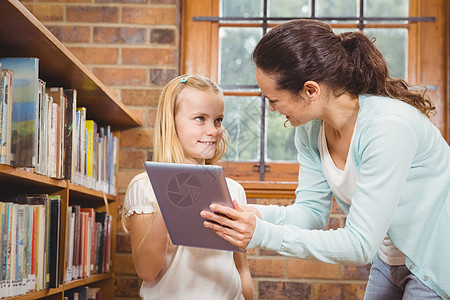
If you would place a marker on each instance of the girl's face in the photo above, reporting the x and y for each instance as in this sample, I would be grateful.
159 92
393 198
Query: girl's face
198 123
297 109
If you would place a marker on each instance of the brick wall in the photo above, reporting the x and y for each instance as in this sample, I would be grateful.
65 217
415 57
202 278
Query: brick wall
132 46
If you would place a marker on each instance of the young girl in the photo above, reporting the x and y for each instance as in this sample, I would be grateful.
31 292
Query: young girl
188 129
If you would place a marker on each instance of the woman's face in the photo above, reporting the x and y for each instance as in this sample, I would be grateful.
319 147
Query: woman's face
298 110
198 123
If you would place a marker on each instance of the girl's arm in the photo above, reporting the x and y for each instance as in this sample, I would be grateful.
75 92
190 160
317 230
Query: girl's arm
240 260
149 243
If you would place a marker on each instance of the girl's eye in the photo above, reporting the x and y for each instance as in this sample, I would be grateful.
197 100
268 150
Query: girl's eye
272 102
200 119
219 121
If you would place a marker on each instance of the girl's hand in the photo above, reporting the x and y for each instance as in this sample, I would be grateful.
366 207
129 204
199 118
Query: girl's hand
235 225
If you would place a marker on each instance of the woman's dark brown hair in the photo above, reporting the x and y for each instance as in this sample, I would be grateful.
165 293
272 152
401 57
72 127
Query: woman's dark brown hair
301 50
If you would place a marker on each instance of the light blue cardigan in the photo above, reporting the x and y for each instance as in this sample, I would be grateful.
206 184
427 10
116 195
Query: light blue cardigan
403 189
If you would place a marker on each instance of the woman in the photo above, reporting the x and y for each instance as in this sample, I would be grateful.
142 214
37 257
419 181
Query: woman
366 139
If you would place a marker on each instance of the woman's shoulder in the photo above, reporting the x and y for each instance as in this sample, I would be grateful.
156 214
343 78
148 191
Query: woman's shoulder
373 107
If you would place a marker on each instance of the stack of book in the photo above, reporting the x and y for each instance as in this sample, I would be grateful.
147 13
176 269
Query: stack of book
42 129
88 249
30 245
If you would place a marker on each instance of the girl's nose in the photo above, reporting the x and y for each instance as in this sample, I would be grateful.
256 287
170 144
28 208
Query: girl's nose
211 129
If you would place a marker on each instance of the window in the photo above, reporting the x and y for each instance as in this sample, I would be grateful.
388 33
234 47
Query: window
226 32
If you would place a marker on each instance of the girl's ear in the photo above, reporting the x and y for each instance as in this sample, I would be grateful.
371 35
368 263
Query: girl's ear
311 90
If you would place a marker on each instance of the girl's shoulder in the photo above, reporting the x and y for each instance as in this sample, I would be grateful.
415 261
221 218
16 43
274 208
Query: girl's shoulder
233 184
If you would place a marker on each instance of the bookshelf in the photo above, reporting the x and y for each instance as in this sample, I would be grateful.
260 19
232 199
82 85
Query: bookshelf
22 35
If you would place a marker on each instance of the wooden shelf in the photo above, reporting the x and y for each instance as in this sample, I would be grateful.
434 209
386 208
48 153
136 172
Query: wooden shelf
22 35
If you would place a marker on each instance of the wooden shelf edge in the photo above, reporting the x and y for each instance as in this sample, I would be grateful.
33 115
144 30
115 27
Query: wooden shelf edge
89 192
13 173
37 295
86 281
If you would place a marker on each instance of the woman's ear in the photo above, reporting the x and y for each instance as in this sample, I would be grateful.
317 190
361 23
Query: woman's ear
311 90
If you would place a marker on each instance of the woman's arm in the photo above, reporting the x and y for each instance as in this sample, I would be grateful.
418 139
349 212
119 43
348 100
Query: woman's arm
149 243
240 260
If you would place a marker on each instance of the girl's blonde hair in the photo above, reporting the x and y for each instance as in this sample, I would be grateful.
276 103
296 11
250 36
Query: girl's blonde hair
166 144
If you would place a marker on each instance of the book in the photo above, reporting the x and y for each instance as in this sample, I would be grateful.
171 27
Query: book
70 244
94 293
42 132
6 83
69 136
25 108
60 103
90 127
54 240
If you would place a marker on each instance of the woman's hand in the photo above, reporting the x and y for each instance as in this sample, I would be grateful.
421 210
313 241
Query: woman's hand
235 225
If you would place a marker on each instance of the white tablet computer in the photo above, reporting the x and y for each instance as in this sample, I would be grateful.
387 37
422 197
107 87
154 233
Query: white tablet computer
182 192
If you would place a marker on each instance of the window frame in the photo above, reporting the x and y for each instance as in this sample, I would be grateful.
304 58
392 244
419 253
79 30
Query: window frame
427 64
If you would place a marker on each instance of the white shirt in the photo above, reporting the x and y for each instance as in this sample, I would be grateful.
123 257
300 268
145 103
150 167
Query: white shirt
187 273
343 185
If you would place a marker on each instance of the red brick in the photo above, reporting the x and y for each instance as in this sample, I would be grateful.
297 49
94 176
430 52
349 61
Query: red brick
161 77
283 290
163 36
139 113
137 97
149 56
121 76
125 177
299 268
132 159
338 291
127 286
119 35
137 138
356 272
71 34
335 208
151 117
97 14
334 223
46 12
123 243
96 55
149 15
267 267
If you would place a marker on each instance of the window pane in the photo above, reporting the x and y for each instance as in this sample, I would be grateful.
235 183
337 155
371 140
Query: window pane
386 8
242 122
337 8
393 44
280 140
235 57
239 8
289 8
